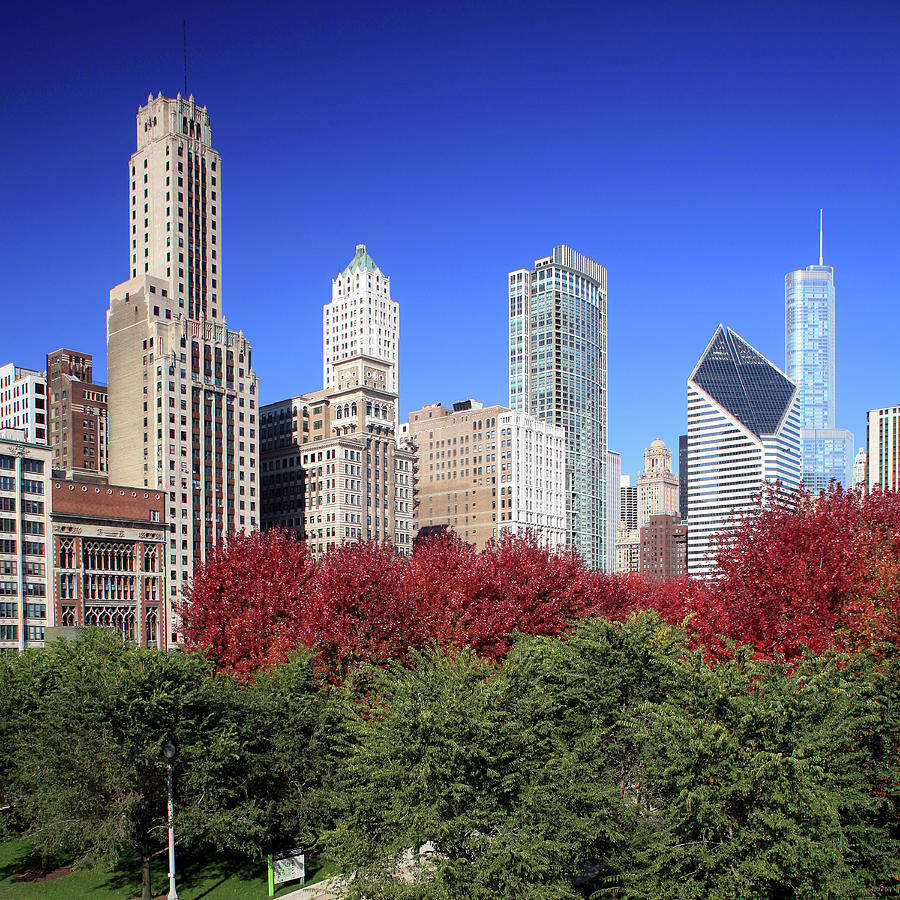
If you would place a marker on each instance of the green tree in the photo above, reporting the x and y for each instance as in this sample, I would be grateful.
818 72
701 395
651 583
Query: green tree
89 774
292 737
771 783
517 779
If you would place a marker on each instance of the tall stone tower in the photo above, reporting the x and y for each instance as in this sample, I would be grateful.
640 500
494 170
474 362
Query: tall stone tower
657 485
183 395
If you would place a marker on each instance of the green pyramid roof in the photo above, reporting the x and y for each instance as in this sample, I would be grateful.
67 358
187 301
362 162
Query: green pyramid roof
361 261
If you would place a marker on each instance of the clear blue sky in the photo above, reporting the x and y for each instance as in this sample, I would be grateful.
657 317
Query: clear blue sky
686 147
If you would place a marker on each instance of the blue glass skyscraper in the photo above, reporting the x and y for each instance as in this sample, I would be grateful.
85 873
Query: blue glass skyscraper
826 451
558 374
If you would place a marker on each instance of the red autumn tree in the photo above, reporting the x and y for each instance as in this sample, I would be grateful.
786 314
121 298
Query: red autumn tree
522 586
811 575
358 610
441 577
678 601
245 606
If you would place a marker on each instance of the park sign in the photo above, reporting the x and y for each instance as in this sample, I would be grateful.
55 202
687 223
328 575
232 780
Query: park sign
288 865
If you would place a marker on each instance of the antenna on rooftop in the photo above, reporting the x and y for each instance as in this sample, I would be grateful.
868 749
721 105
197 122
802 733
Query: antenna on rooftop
184 24
821 257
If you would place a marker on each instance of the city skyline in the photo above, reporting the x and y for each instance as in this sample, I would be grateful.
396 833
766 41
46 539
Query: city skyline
673 202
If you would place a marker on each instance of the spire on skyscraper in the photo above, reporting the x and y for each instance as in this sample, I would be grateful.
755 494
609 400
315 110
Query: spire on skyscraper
821 256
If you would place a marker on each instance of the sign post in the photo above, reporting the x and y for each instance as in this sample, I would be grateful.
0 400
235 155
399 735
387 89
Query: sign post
289 865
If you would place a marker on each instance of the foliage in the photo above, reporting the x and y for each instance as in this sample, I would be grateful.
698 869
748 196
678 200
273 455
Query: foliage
357 610
291 738
89 778
244 606
824 572
514 780
768 782
608 760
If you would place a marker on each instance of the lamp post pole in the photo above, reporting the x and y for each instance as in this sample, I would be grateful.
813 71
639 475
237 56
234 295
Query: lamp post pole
169 751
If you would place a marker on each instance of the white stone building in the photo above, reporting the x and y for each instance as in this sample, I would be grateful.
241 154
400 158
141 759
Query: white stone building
23 402
26 558
361 320
532 478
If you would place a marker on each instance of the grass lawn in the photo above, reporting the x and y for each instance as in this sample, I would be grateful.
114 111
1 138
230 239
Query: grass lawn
195 879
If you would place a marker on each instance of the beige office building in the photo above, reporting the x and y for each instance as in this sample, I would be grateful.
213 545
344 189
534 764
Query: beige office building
486 471
628 548
657 485
332 469
182 392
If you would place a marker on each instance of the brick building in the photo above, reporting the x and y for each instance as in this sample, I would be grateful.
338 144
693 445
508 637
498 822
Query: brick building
663 547
109 546
77 415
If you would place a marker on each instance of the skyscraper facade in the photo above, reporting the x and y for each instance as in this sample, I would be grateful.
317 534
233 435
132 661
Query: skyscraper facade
809 338
558 374
361 319
613 505
743 433
682 477
182 395
628 502
883 448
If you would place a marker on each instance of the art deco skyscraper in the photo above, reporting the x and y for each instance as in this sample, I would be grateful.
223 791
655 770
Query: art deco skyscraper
809 332
348 428
361 319
182 391
558 373
657 485
743 433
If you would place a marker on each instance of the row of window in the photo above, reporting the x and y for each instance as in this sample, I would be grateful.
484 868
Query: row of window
33 633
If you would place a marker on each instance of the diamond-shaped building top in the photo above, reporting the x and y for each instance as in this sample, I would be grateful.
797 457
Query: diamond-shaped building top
741 380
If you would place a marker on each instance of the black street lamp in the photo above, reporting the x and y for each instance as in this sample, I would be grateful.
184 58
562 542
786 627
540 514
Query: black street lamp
169 750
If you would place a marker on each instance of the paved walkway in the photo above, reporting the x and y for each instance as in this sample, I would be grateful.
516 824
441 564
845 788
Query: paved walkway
329 889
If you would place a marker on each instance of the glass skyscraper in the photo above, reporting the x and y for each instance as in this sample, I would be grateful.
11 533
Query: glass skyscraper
743 433
826 451
558 373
